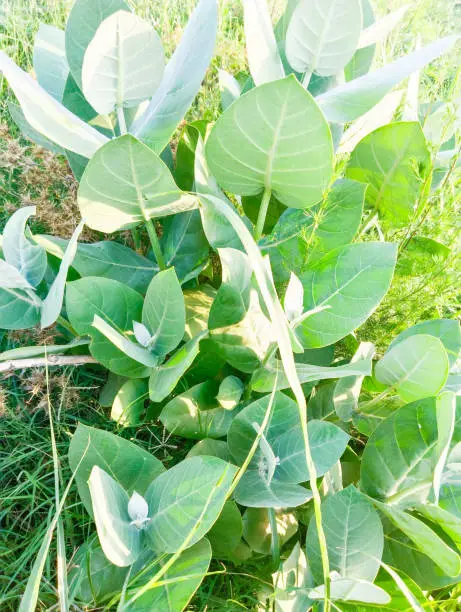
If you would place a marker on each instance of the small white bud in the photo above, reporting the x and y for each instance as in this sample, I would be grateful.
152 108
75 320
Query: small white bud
138 510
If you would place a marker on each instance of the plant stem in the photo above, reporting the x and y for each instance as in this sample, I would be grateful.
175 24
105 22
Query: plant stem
275 542
64 323
50 360
307 78
136 239
262 214
155 244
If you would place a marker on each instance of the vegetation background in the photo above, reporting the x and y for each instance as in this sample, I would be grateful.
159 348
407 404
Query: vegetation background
29 175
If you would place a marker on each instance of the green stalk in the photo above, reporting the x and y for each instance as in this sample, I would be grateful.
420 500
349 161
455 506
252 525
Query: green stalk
307 78
65 323
262 214
155 244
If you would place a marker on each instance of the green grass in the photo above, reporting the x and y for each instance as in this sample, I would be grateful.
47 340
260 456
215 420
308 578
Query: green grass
27 175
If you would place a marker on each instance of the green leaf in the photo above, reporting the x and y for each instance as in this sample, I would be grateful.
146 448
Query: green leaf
48 116
84 20
28 258
257 145
233 297
284 438
347 390
184 245
164 379
257 529
52 304
119 538
416 367
189 496
50 63
128 404
448 522
75 101
226 533
351 100
196 413
313 43
25 352
126 183
107 259
354 535
446 418
208 446
182 78
20 310
114 72
12 279
398 460
303 236
86 298
132 467
131 349
245 344
293 572
229 88
394 161
448 331
262 52
426 540
421 256
379 30
362 59
230 392
347 589
351 282
164 312
253 491
29 132
181 581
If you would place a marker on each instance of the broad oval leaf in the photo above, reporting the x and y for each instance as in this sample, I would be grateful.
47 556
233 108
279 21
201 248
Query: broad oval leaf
123 64
416 367
187 499
354 535
394 161
126 183
20 309
128 404
119 539
226 533
84 20
351 589
48 116
182 78
164 312
323 35
348 283
253 491
399 458
132 467
86 298
196 413
28 258
257 144
50 63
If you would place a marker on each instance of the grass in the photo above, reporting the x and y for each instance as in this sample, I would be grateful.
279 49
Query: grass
30 176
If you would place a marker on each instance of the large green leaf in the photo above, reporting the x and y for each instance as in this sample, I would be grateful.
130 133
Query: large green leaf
226 532
352 589
28 258
284 437
363 58
449 523
399 458
416 367
348 283
354 535
128 463
233 297
164 313
29 132
119 538
48 116
126 183
107 259
448 331
75 101
20 309
123 64
313 43
50 63
303 236
394 161
257 144
253 491
263 55
347 390
181 581
196 413
351 100
257 528
84 20
188 497
116 304
164 378
128 404
182 78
